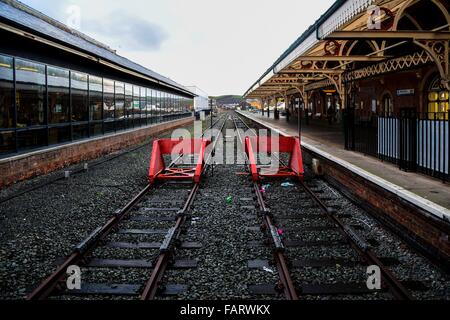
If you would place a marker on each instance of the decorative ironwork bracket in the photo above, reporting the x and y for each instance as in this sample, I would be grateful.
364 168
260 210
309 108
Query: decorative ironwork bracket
438 50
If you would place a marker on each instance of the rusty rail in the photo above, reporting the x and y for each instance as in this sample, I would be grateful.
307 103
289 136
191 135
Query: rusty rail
48 286
363 249
286 284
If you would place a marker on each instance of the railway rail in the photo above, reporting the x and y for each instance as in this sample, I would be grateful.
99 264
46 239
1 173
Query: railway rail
145 216
152 249
280 245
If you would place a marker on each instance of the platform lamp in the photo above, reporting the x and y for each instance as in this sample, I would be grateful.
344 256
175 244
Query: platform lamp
211 110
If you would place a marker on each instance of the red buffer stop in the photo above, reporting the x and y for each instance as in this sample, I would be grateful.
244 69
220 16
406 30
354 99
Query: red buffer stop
289 145
176 148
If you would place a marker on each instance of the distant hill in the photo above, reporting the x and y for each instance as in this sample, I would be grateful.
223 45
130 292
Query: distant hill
228 99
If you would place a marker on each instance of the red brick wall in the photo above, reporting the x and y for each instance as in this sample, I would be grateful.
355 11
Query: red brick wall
377 87
24 167
410 222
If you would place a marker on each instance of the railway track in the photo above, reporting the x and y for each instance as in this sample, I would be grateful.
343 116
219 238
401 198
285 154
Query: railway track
137 244
306 231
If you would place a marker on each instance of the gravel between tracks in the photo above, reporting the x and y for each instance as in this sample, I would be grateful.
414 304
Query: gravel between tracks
42 226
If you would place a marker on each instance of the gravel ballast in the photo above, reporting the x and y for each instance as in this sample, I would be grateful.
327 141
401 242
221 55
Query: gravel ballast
41 227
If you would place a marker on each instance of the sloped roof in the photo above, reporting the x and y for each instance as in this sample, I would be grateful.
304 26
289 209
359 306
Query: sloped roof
29 18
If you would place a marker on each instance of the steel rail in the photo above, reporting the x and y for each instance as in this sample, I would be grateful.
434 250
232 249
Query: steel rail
44 290
151 287
162 262
363 249
286 283
51 283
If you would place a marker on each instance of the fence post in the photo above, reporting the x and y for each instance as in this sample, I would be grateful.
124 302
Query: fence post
346 144
352 129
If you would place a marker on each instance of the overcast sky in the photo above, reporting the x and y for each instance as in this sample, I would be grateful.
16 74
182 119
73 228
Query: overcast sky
221 46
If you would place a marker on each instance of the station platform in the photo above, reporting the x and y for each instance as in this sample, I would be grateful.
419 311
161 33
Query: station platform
428 193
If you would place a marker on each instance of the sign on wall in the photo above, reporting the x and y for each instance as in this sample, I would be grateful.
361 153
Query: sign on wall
405 92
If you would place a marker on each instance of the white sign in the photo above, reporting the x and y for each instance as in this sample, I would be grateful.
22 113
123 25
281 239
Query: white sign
405 92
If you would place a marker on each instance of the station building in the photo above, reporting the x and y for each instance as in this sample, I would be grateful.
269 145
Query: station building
376 72
67 97
201 101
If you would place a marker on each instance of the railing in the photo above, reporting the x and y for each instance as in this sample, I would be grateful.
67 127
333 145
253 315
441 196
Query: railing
414 141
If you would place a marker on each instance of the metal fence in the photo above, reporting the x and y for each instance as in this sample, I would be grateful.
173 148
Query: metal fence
414 141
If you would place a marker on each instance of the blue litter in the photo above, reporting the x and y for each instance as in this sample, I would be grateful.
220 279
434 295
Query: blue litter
287 184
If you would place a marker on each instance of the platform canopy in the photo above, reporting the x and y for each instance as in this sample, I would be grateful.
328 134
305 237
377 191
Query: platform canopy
358 39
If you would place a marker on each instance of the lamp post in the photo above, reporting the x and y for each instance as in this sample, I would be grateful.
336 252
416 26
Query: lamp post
211 111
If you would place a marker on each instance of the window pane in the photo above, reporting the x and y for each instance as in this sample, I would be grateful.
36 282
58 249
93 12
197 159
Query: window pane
30 139
95 98
58 95
6 93
30 98
120 105
143 105
148 107
7 142
160 105
80 97
96 129
80 131
136 105
59 135
164 105
129 105
108 104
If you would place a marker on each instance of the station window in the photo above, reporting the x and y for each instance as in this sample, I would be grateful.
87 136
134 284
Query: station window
7 137
120 105
157 111
148 107
7 141
58 81
143 105
80 105
129 105
31 138
58 95
164 104
136 106
108 105
95 105
79 85
6 92
59 134
30 93
438 101
155 100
